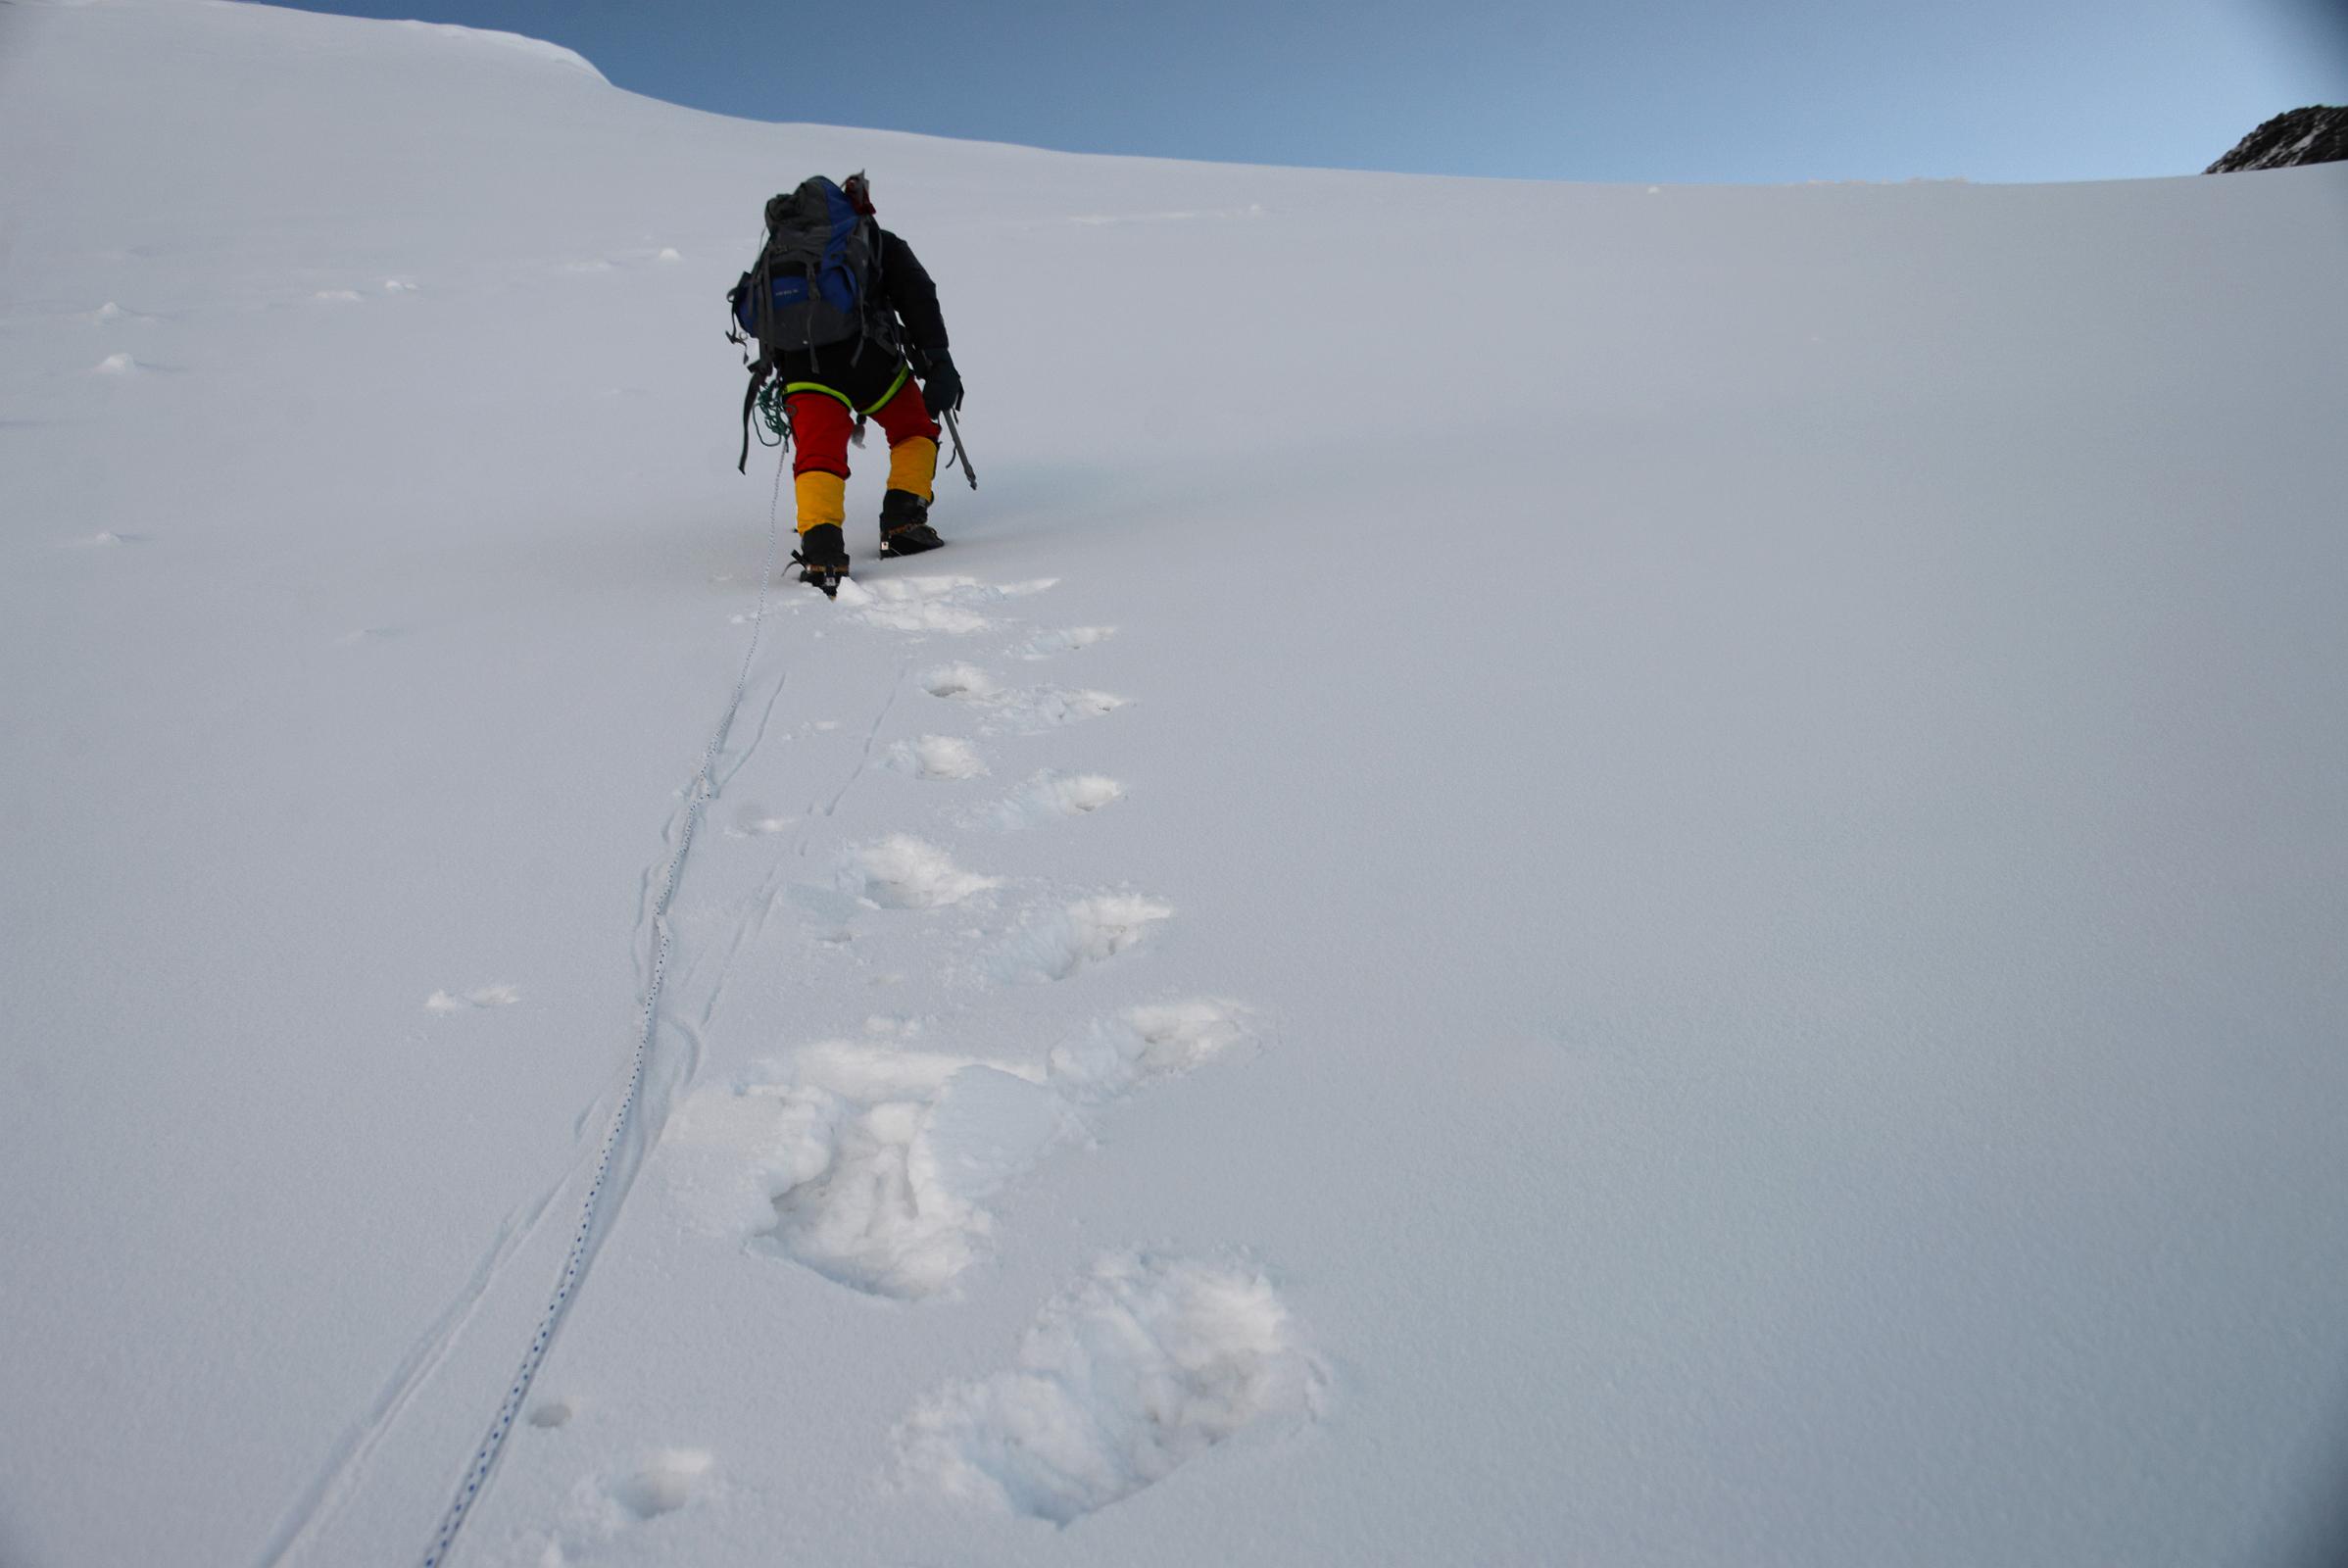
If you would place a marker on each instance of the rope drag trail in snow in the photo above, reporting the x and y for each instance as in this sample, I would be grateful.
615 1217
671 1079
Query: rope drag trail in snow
624 1118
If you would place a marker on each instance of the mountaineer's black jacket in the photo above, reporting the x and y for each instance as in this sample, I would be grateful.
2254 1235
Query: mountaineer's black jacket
863 371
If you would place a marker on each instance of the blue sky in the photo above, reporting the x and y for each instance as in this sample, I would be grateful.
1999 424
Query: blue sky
1664 90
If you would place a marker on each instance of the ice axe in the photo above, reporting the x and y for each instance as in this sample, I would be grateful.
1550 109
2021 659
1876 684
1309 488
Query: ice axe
961 455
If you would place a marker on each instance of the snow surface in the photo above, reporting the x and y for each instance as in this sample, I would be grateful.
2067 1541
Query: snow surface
1622 875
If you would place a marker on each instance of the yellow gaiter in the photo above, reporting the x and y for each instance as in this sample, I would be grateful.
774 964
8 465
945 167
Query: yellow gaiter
913 465
823 496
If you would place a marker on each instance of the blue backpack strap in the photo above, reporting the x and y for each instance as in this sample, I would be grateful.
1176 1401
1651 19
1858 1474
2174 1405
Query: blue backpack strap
837 282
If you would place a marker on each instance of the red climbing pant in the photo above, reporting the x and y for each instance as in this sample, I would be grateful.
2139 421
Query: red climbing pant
820 425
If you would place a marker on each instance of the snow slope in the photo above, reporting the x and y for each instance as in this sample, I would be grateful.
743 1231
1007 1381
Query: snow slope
1556 873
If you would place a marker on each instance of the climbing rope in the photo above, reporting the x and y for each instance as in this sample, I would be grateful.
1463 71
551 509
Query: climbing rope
773 413
574 1267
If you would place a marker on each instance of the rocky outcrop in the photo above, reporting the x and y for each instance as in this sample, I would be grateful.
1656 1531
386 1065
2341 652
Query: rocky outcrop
2313 135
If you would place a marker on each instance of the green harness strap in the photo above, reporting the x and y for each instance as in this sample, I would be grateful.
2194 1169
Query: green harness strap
768 397
902 372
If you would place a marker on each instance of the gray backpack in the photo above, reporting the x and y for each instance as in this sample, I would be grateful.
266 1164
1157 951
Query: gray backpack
813 283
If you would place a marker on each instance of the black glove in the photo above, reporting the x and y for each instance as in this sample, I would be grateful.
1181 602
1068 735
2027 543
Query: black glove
942 388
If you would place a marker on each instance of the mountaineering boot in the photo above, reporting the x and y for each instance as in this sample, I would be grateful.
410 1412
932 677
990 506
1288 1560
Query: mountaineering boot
904 524
822 556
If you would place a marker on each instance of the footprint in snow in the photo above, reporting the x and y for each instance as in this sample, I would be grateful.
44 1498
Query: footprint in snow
1029 711
928 604
936 757
866 1163
1051 796
602 1511
666 1482
872 1163
1139 1368
1142 1045
751 819
961 683
903 872
1064 942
